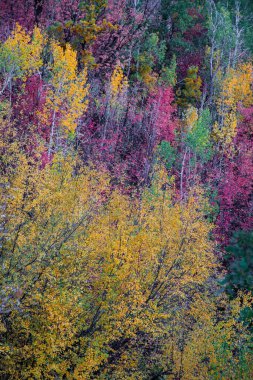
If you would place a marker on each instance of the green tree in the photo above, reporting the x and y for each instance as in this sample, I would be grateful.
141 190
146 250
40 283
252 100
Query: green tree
239 258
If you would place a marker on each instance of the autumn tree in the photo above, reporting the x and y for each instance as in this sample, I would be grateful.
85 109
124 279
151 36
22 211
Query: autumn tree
66 95
20 56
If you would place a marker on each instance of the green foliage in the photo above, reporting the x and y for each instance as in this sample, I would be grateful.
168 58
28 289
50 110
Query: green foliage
228 365
81 32
222 38
167 153
246 316
168 74
20 56
212 195
151 56
225 32
198 137
190 91
155 48
240 263
177 22
246 10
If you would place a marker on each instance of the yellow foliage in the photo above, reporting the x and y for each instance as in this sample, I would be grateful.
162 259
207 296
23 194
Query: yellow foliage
237 86
67 94
191 116
236 89
91 277
148 76
228 131
207 350
24 52
119 82
96 284
190 92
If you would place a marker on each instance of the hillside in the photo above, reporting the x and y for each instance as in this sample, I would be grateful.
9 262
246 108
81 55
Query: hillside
126 189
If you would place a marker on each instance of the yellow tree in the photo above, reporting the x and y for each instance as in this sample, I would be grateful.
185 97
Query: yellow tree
80 287
95 284
118 83
20 55
191 88
67 92
236 90
43 273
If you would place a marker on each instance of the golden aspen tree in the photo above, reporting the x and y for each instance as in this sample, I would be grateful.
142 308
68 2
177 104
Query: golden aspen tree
97 285
236 90
40 276
20 55
67 92
191 89
191 117
119 82
74 276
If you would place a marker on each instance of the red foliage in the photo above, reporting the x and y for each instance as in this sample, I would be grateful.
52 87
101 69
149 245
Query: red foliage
27 105
163 113
114 43
196 31
188 60
236 187
193 12
126 145
30 12
12 11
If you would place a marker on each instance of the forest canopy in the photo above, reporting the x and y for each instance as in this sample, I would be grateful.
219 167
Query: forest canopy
126 190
